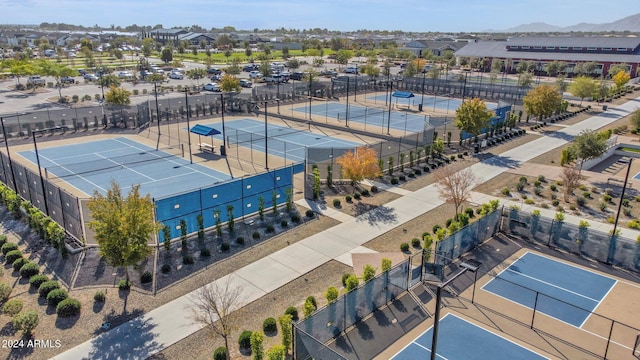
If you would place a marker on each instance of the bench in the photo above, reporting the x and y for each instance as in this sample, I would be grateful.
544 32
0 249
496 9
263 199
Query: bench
207 147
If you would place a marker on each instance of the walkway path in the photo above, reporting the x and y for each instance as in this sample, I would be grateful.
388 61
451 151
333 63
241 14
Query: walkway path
161 327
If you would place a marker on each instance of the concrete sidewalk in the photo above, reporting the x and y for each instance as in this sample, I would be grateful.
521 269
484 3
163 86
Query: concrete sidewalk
161 327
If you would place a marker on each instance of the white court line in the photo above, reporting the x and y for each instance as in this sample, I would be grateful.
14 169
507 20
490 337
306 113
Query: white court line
416 338
126 167
74 174
429 350
552 285
173 161
598 304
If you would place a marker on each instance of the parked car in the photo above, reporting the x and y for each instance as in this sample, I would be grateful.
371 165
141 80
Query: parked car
255 74
214 71
250 67
328 73
36 80
296 75
67 80
176 75
211 87
351 70
90 77
215 78
246 83
125 75
81 72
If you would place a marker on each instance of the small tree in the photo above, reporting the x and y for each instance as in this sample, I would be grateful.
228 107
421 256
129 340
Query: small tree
276 352
386 264
329 175
390 163
218 222
274 202
214 305
117 96
183 234
583 87
455 186
26 321
257 345
368 273
230 220
200 221
285 322
261 208
589 145
289 203
331 294
635 119
308 308
571 181
351 282
359 164
542 100
166 234
621 79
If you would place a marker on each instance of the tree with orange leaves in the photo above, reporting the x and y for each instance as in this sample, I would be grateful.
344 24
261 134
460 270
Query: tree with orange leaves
359 164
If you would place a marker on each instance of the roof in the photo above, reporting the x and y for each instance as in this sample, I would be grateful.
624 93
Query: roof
497 49
403 94
204 130
575 41
191 36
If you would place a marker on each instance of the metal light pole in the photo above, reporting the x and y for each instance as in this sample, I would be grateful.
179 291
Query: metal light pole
469 265
155 91
224 137
44 191
424 76
615 224
355 93
186 100
389 117
266 137
346 117
6 144
278 95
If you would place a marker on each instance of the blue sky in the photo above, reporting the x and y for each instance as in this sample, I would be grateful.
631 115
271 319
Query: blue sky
407 15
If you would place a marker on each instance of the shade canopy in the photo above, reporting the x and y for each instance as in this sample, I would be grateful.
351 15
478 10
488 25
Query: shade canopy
403 94
204 130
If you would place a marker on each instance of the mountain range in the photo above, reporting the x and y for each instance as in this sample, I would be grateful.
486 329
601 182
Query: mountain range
629 23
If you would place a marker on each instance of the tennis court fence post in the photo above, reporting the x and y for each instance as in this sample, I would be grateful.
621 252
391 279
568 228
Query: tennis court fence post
550 233
606 349
535 305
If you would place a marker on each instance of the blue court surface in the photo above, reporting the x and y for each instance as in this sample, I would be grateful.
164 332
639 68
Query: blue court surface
91 166
285 142
567 293
459 339
431 102
369 116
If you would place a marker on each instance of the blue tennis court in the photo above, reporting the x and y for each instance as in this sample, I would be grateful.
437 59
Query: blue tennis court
431 102
285 142
459 339
91 166
566 292
370 116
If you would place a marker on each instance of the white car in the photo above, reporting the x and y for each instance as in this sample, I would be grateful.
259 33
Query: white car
211 87
176 75
125 75
255 74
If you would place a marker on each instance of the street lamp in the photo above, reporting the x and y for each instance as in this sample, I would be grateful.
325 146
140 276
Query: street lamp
223 150
346 117
6 144
155 91
424 75
615 224
389 117
186 100
35 147
266 136
468 265
355 93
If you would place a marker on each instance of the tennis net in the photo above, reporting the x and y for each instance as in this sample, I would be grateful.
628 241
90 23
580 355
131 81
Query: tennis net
368 112
113 163
241 137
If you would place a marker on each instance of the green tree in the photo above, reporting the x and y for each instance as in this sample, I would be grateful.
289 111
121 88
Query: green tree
542 100
229 83
117 96
257 345
343 56
196 74
635 119
167 55
331 294
285 331
57 71
621 79
561 83
276 352
308 308
616 68
386 264
472 116
589 145
368 273
352 283
123 226
147 46
583 87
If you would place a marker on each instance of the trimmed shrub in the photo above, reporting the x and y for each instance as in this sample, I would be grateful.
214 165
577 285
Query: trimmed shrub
269 325
344 279
295 218
555 202
166 268
436 227
394 181
356 195
448 222
224 246
284 223
12 307
270 229
46 287
18 263
506 192
26 321
415 242
347 198
204 252
309 213
537 183
244 340
12 256
404 247
239 241
99 296
541 178
606 198
29 269
523 180
553 187
56 296
124 285
519 186
5 291
187 260
374 189
336 202
312 300
529 201
37 280
633 224
256 234
68 307
469 212
293 311
3 240
537 191
364 192
581 201
402 178
6 247
146 277
220 353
